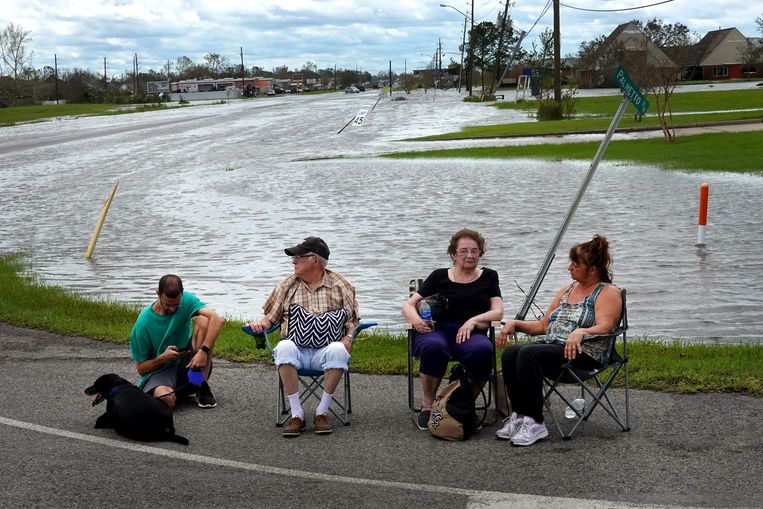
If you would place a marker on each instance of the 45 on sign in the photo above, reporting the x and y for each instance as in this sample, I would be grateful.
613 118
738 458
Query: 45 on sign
631 90
358 120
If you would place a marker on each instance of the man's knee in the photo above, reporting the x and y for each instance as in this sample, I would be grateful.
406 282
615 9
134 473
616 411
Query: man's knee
166 395
286 352
335 356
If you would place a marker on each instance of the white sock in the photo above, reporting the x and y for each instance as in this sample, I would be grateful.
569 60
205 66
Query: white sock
323 406
296 406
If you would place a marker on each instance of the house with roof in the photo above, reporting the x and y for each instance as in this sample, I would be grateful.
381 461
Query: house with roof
719 55
625 43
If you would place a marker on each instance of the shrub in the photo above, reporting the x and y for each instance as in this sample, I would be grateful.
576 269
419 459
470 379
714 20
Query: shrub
548 109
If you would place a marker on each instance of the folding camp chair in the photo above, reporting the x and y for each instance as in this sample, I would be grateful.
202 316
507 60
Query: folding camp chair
310 380
487 397
592 389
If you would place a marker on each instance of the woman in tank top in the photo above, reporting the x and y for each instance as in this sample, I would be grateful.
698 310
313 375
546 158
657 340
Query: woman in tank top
590 305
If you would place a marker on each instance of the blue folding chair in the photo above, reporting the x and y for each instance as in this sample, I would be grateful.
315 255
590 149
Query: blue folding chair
310 380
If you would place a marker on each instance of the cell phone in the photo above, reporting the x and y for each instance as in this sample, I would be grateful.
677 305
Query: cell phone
183 349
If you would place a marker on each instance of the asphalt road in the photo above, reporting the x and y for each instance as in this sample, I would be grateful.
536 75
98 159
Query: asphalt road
683 450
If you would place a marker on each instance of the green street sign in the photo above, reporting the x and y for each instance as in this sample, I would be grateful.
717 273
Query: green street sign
631 90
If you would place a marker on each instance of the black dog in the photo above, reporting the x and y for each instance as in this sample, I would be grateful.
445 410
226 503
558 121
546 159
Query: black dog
132 412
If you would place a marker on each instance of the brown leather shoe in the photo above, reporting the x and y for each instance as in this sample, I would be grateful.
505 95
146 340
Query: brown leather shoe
322 424
293 427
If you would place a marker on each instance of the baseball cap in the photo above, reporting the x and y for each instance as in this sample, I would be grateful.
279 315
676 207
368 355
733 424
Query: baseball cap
309 245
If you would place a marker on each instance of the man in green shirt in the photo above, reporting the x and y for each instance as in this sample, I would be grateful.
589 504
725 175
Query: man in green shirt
165 342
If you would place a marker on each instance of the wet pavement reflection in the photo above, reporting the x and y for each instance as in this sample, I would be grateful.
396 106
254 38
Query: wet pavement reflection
215 192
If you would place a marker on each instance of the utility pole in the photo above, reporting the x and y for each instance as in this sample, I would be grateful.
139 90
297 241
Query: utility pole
242 69
55 73
105 82
439 62
557 59
390 78
471 52
501 31
461 65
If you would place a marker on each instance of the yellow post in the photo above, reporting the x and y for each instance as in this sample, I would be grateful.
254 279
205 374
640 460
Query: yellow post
99 225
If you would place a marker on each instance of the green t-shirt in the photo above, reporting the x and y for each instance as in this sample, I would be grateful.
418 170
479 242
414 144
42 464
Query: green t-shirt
153 333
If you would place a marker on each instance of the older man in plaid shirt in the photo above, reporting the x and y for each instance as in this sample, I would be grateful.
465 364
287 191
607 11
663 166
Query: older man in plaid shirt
318 312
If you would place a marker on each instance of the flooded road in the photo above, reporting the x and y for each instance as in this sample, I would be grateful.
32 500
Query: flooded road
215 192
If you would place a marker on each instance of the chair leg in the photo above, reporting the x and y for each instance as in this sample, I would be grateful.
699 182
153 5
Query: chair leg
347 386
627 401
411 387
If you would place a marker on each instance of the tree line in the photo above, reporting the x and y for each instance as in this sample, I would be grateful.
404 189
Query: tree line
20 83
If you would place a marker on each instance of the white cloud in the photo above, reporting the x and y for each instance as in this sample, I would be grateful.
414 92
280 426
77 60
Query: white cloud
345 33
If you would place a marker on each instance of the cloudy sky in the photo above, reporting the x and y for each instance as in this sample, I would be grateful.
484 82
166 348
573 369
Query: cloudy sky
344 33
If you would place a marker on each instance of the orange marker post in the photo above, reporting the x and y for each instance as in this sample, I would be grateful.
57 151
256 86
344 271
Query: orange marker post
704 192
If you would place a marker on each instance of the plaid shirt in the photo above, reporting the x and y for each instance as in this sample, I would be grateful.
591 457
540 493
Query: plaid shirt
334 292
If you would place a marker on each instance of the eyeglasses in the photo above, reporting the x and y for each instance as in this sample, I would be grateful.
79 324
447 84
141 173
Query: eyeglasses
297 257
464 252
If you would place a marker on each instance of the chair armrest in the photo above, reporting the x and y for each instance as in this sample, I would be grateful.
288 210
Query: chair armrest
262 339
603 337
360 328
602 346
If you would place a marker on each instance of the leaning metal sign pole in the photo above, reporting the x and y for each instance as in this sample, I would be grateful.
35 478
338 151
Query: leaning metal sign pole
631 93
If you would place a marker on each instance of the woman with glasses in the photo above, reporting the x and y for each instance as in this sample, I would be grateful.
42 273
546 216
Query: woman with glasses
467 299
590 305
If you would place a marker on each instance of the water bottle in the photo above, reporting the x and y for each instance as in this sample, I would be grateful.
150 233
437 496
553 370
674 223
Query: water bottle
578 404
425 312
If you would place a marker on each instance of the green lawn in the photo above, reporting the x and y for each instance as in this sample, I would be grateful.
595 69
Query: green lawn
15 114
680 102
736 152
595 115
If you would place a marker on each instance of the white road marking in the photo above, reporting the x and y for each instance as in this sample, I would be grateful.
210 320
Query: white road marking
477 498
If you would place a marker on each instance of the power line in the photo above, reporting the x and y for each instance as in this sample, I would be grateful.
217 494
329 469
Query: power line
615 10
543 13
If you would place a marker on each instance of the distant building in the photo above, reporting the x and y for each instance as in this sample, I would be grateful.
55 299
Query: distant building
214 85
720 54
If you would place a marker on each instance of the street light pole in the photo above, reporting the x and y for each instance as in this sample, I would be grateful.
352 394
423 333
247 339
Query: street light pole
470 56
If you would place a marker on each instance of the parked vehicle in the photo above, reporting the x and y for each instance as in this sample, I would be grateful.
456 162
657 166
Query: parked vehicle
351 90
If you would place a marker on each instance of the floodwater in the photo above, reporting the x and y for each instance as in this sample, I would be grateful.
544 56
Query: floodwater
215 192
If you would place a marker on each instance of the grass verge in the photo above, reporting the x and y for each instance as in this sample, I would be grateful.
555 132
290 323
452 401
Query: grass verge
669 367
734 152
721 100
589 125
16 114
595 114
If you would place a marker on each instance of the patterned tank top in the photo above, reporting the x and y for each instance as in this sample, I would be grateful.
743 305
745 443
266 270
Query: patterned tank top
568 317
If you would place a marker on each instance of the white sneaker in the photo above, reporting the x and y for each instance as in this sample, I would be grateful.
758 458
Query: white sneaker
510 427
529 432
